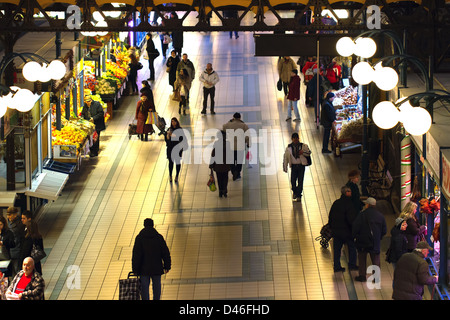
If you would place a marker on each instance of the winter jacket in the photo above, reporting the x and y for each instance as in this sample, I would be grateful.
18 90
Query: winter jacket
413 233
172 63
18 229
311 90
333 73
221 156
176 138
151 255
142 113
368 234
410 276
209 80
290 158
285 68
328 114
95 111
294 88
7 238
341 217
34 290
356 196
398 246
27 247
189 66
234 125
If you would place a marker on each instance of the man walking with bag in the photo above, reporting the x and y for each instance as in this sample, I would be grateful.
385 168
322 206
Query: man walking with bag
151 258
296 155
209 78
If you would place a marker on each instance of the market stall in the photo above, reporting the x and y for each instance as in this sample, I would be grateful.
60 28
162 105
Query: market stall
347 131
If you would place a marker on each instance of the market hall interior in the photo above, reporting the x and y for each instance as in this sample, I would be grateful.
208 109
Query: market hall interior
255 244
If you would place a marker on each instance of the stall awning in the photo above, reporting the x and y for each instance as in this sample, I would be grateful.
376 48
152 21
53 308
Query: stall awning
48 185
7 198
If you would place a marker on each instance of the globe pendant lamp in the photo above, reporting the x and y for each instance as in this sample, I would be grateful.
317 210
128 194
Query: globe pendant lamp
345 46
363 73
418 121
57 69
385 115
385 78
31 71
365 47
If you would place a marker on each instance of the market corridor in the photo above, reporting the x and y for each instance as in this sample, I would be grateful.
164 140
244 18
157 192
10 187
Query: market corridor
255 244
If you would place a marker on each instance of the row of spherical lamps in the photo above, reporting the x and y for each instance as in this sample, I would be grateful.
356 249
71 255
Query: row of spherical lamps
415 120
23 100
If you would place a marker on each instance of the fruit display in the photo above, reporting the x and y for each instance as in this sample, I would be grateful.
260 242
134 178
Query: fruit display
105 86
73 132
90 82
351 130
114 70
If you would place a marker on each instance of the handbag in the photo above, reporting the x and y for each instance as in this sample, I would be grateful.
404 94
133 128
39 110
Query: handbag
168 69
139 66
279 85
152 118
211 182
176 95
4 254
37 253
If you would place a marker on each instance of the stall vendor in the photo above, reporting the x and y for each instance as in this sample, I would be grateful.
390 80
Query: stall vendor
93 111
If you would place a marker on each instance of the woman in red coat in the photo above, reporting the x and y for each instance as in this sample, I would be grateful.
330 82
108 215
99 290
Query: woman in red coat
142 111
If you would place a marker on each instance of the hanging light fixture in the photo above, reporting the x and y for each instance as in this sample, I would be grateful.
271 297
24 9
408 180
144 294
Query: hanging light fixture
365 47
34 71
385 115
386 78
345 46
363 72
31 71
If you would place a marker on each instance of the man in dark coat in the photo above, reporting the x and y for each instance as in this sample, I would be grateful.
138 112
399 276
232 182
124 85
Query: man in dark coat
327 117
151 258
411 274
152 54
341 217
18 229
368 229
93 111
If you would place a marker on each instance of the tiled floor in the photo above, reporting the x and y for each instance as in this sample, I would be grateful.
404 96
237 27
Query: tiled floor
255 244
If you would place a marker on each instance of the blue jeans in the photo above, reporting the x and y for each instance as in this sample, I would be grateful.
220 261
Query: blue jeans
293 104
338 243
156 286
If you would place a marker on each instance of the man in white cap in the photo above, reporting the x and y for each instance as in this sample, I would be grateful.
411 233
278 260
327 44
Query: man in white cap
411 274
368 229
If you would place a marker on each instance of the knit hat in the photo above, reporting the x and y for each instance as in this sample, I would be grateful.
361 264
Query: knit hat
330 95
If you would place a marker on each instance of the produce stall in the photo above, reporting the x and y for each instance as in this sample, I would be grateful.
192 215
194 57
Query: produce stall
346 133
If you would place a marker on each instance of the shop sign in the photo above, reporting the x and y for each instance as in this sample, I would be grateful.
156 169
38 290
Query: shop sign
445 183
